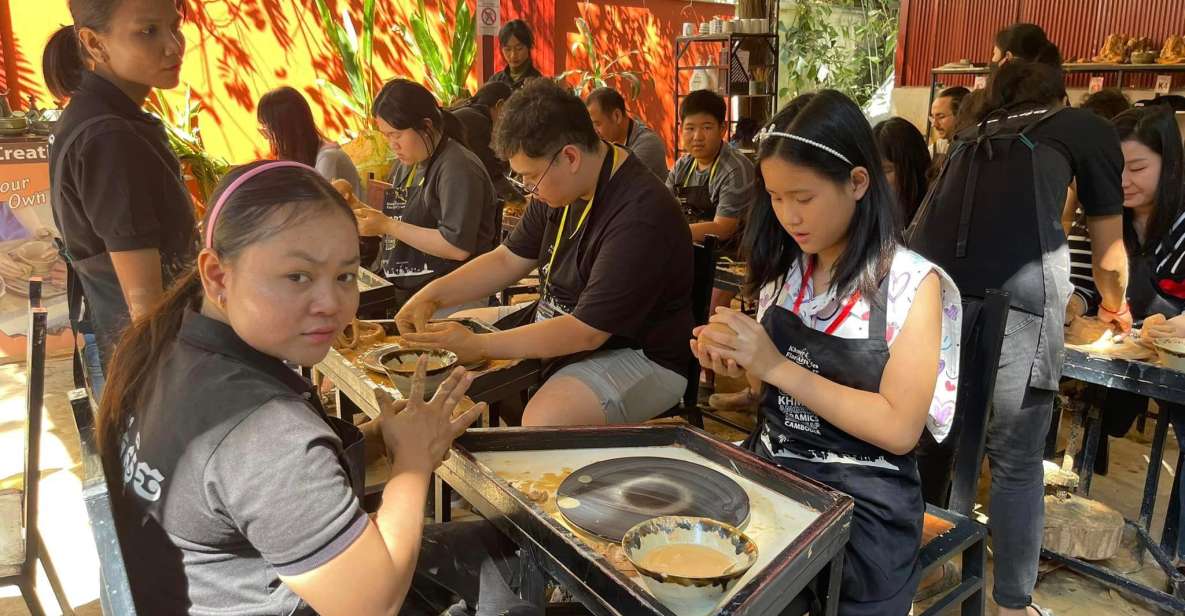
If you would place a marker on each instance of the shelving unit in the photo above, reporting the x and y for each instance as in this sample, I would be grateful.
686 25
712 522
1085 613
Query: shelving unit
1119 70
731 72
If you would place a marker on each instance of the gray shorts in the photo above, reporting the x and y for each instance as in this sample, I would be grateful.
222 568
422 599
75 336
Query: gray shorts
631 387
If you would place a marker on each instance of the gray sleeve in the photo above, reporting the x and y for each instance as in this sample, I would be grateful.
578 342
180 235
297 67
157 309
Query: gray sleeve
463 191
335 164
653 153
277 477
734 188
672 177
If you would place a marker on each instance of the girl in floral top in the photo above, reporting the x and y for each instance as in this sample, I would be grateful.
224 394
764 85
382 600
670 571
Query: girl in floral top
856 343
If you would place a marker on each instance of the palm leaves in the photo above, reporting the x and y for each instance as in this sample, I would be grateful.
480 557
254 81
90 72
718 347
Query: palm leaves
596 75
446 76
185 140
357 56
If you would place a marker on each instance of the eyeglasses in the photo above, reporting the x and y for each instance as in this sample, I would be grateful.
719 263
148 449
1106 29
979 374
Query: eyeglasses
532 190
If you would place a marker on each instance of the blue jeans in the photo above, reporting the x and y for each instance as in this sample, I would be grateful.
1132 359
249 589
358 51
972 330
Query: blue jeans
1015 446
93 365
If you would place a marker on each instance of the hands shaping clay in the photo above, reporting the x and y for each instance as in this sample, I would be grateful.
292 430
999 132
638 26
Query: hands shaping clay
347 192
359 334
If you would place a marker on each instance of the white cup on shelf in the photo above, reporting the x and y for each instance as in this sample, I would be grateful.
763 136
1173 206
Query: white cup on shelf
689 29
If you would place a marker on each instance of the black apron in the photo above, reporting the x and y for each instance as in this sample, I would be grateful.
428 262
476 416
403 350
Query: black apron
696 201
880 569
408 268
1143 296
94 278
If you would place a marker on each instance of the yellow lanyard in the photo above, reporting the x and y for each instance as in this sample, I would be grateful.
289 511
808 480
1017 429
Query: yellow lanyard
559 233
411 176
711 174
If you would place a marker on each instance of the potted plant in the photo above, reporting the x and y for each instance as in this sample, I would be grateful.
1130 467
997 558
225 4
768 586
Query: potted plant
367 148
447 76
201 171
598 73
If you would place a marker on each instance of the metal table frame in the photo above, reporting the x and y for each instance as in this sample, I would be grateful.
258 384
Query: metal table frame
1160 384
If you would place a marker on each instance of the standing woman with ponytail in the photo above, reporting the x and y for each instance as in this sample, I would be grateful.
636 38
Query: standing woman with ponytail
441 210
124 213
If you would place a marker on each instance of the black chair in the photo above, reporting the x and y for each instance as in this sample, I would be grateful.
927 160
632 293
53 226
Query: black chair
704 258
115 595
21 547
949 531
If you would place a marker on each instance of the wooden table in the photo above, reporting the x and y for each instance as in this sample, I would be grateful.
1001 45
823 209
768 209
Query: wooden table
1160 384
503 383
800 527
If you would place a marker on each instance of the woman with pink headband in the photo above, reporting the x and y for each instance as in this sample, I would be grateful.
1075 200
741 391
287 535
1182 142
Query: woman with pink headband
234 492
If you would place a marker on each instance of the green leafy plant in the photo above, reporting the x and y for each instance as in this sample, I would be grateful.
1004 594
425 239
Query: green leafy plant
185 140
598 74
446 75
819 51
357 56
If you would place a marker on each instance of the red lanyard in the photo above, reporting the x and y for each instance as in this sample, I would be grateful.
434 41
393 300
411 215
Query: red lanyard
843 314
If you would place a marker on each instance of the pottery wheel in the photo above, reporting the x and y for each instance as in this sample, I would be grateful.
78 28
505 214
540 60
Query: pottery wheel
608 498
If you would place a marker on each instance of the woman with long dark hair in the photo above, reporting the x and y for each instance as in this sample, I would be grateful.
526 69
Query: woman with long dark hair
234 492
441 210
1154 207
906 161
286 121
517 42
478 115
849 339
125 216
1026 42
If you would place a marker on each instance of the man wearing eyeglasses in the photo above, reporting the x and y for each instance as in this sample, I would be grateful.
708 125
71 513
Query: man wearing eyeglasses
614 258
944 112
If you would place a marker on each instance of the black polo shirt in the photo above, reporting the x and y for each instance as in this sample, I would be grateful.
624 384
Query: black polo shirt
231 479
121 184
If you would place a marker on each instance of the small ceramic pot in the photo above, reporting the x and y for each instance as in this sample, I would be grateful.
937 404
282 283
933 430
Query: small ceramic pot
401 366
1172 353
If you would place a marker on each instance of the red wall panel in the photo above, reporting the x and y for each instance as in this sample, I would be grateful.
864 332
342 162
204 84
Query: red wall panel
935 32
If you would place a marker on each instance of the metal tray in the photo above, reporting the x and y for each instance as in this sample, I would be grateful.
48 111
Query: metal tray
594 581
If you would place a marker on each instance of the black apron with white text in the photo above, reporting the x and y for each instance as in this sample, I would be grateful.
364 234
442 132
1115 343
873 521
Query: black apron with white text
880 572
408 268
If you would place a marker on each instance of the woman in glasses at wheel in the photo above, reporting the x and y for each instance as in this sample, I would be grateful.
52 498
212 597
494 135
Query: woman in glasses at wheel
441 211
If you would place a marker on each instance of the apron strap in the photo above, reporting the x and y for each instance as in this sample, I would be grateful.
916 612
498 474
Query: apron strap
878 321
74 297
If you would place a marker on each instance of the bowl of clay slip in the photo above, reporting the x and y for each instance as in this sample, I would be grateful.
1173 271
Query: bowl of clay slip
689 563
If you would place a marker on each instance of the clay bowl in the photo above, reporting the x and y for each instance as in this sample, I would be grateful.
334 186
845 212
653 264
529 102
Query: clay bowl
1144 57
687 591
39 255
1172 352
14 123
400 365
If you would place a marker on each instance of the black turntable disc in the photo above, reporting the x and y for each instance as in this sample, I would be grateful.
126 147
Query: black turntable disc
608 498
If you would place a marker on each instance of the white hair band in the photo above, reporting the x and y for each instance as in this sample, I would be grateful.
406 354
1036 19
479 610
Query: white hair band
769 132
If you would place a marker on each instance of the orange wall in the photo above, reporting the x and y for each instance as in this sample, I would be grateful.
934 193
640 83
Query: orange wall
239 49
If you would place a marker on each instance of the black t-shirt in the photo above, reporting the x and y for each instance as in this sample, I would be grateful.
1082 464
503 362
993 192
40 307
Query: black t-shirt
1089 145
628 271
121 184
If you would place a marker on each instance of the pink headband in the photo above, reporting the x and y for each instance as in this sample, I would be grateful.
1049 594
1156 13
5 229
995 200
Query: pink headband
239 181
